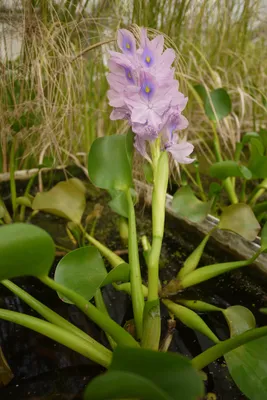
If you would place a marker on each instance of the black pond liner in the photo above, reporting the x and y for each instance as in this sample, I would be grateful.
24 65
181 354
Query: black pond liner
47 370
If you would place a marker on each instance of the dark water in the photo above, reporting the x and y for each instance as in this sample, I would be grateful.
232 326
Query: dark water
47 370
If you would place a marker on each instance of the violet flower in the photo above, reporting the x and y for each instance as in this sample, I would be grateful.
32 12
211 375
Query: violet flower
143 91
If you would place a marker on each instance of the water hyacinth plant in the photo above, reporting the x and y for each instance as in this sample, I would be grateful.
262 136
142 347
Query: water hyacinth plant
144 92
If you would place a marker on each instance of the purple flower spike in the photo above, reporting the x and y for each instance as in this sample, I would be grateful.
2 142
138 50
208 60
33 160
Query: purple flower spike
143 91
126 42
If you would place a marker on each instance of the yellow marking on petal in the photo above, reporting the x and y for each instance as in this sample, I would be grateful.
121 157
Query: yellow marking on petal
148 59
128 46
147 89
129 75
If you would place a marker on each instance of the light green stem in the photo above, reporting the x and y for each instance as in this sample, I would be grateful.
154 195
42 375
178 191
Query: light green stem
135 272
210 271
58 334
258 192
103 321
7 218
51 316
210 355
152 324
105 251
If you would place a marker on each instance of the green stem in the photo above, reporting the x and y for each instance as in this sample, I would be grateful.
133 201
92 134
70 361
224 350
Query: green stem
101 306
27 191
105 251
135 272
257 192
152 319
210 271
7 218
104 322
12 169
52 316
227 183
210 355
58 334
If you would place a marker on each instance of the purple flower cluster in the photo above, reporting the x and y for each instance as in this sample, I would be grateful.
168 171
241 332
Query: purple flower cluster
144 92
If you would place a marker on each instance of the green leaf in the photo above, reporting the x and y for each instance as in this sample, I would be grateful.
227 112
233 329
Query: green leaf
82 270
201 91
263 136
264 237
219 105
25 250
147 375
257 162
248 363
239 319
119 203
66 200
239 218
187 205
248 136
120 273
110 162
214 189
224 169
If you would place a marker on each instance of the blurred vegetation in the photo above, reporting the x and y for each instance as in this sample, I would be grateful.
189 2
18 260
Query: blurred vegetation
53 96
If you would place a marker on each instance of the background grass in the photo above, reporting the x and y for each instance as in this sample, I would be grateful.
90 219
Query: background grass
53 95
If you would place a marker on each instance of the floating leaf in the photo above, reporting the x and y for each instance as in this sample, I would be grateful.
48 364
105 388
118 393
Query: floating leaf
110 162
239 218
187 205
66 199
257 162
82 270
201 91
214 189
248 363
224 169
218 105
119 203
147 374
120 273
25 250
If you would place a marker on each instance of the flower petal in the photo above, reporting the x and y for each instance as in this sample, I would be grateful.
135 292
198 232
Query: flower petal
181 151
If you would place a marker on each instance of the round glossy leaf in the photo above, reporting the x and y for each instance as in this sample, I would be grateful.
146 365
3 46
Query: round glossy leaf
187 205
110 162
248 363
239 218
66 199
147 375
119 203
201 91
25 250
81 270
120 273
224 169
218 105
